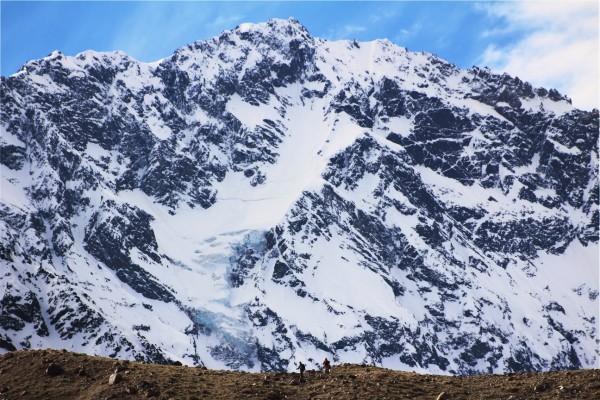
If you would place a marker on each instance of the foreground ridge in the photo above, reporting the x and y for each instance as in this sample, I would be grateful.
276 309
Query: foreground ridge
54 374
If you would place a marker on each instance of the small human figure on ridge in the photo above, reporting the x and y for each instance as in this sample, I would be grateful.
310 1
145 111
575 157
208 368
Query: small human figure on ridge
301 367
326 365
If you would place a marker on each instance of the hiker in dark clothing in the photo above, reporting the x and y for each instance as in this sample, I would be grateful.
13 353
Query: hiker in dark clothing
326 365
301 367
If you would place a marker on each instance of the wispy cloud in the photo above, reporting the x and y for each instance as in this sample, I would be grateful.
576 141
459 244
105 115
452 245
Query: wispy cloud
150 30
362 20
403 35
226 21
351 29
155 29
347 31
557 46
383 14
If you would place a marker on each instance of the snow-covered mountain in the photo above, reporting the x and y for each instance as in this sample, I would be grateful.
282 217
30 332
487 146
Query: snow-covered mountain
267 197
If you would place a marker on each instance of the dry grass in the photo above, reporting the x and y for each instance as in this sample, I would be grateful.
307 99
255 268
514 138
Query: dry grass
24 375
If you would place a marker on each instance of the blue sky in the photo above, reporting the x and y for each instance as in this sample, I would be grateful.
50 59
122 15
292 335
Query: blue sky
506 36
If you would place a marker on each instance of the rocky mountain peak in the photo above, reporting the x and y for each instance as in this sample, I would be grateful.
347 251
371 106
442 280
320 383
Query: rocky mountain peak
281 28
265 197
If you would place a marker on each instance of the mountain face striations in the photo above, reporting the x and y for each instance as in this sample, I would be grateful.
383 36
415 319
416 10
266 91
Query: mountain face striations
267 197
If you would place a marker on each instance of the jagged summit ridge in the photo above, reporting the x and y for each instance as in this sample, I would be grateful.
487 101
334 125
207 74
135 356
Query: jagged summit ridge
283 28
266 197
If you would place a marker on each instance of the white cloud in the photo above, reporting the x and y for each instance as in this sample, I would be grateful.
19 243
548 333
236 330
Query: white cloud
345 32
403 35
226 22
157 29
383 14
557 46
152 30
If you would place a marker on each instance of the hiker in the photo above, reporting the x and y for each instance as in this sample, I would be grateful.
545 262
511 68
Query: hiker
301 367
326 365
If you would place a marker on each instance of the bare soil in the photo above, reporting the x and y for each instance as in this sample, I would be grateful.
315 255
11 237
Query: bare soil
55 374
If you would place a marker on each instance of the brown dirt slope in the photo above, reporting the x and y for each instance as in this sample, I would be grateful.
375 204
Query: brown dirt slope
53 374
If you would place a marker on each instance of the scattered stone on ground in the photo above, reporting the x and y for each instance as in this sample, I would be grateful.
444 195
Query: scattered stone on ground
54 370
115 378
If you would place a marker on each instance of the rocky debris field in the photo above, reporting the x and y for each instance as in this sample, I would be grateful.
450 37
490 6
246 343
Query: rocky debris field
56 374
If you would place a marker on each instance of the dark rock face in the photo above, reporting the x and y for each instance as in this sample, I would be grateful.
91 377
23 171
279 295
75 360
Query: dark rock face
12 156
437 219
18 311
112 233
